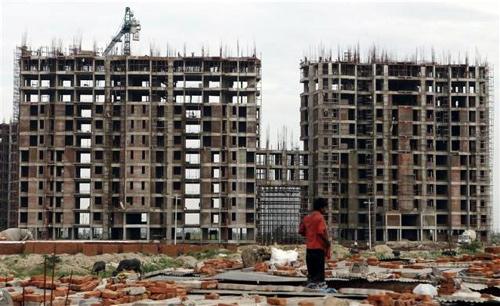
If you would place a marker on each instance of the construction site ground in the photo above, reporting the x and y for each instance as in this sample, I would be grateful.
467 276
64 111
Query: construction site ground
248 276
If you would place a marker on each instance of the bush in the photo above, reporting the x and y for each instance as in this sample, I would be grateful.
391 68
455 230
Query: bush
473 247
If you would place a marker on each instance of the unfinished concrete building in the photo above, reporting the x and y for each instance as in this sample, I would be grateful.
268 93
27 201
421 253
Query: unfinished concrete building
410 139
4 174
138 147
282 184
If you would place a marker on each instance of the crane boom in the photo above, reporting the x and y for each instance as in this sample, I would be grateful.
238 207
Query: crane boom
130 26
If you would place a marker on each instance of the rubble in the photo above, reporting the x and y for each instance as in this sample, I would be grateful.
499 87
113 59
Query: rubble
187 261
214 266
383 251
339 252
455 278
252 254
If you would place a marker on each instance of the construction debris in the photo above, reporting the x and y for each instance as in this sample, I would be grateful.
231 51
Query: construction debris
361 278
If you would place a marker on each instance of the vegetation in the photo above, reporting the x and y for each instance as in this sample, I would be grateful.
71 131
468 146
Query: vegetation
51 261
160 264
471 248
495 238
208 254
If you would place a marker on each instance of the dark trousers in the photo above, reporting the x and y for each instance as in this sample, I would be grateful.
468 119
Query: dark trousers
315 261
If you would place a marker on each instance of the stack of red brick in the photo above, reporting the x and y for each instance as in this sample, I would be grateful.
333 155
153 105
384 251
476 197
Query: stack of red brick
447 283
112 294
400 299
214 266
261 267
486 269
58 294
493 250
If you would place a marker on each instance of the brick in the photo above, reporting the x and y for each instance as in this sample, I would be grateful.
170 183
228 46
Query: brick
89 294
492 249
60 291
372 261
211 296
276 301
34 297
116 286
109 302
261 267
181 291
29 290
37 278
449 274
5 279
110 294
88 286
207 270
158 296
41 284
306 303
16 296
60 301
161 290
209 284
77 280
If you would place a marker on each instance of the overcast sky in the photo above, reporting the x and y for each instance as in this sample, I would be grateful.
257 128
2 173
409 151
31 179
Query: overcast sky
283 33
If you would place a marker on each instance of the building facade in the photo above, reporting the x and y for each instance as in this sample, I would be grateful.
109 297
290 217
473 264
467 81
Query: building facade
126 147
403 143
144 147
4 174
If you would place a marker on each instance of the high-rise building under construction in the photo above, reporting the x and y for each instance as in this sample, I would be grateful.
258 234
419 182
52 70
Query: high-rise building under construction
400 149
138 147
106 146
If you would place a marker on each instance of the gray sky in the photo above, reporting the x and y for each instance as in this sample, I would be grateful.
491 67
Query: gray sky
282 31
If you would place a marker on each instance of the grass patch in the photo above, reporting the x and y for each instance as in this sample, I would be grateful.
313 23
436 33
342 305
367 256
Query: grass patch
160 264
208 254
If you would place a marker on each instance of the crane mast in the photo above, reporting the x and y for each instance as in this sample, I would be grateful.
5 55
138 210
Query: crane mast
130 27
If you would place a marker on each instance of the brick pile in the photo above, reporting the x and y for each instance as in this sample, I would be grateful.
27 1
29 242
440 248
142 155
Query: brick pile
214 266
285 270
112 294
400 299
492 250
261 267
447 284
487 269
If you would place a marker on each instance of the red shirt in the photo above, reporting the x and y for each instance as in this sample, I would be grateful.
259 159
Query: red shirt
312 227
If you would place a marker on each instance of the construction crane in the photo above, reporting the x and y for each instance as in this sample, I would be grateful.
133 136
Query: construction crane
130 26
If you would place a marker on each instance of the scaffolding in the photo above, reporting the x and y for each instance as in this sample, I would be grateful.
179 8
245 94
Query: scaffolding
13 186
279 214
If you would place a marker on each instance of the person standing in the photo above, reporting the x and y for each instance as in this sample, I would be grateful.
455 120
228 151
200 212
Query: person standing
313 228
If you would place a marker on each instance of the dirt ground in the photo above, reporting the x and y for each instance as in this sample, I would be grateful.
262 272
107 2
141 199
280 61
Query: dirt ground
32 264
